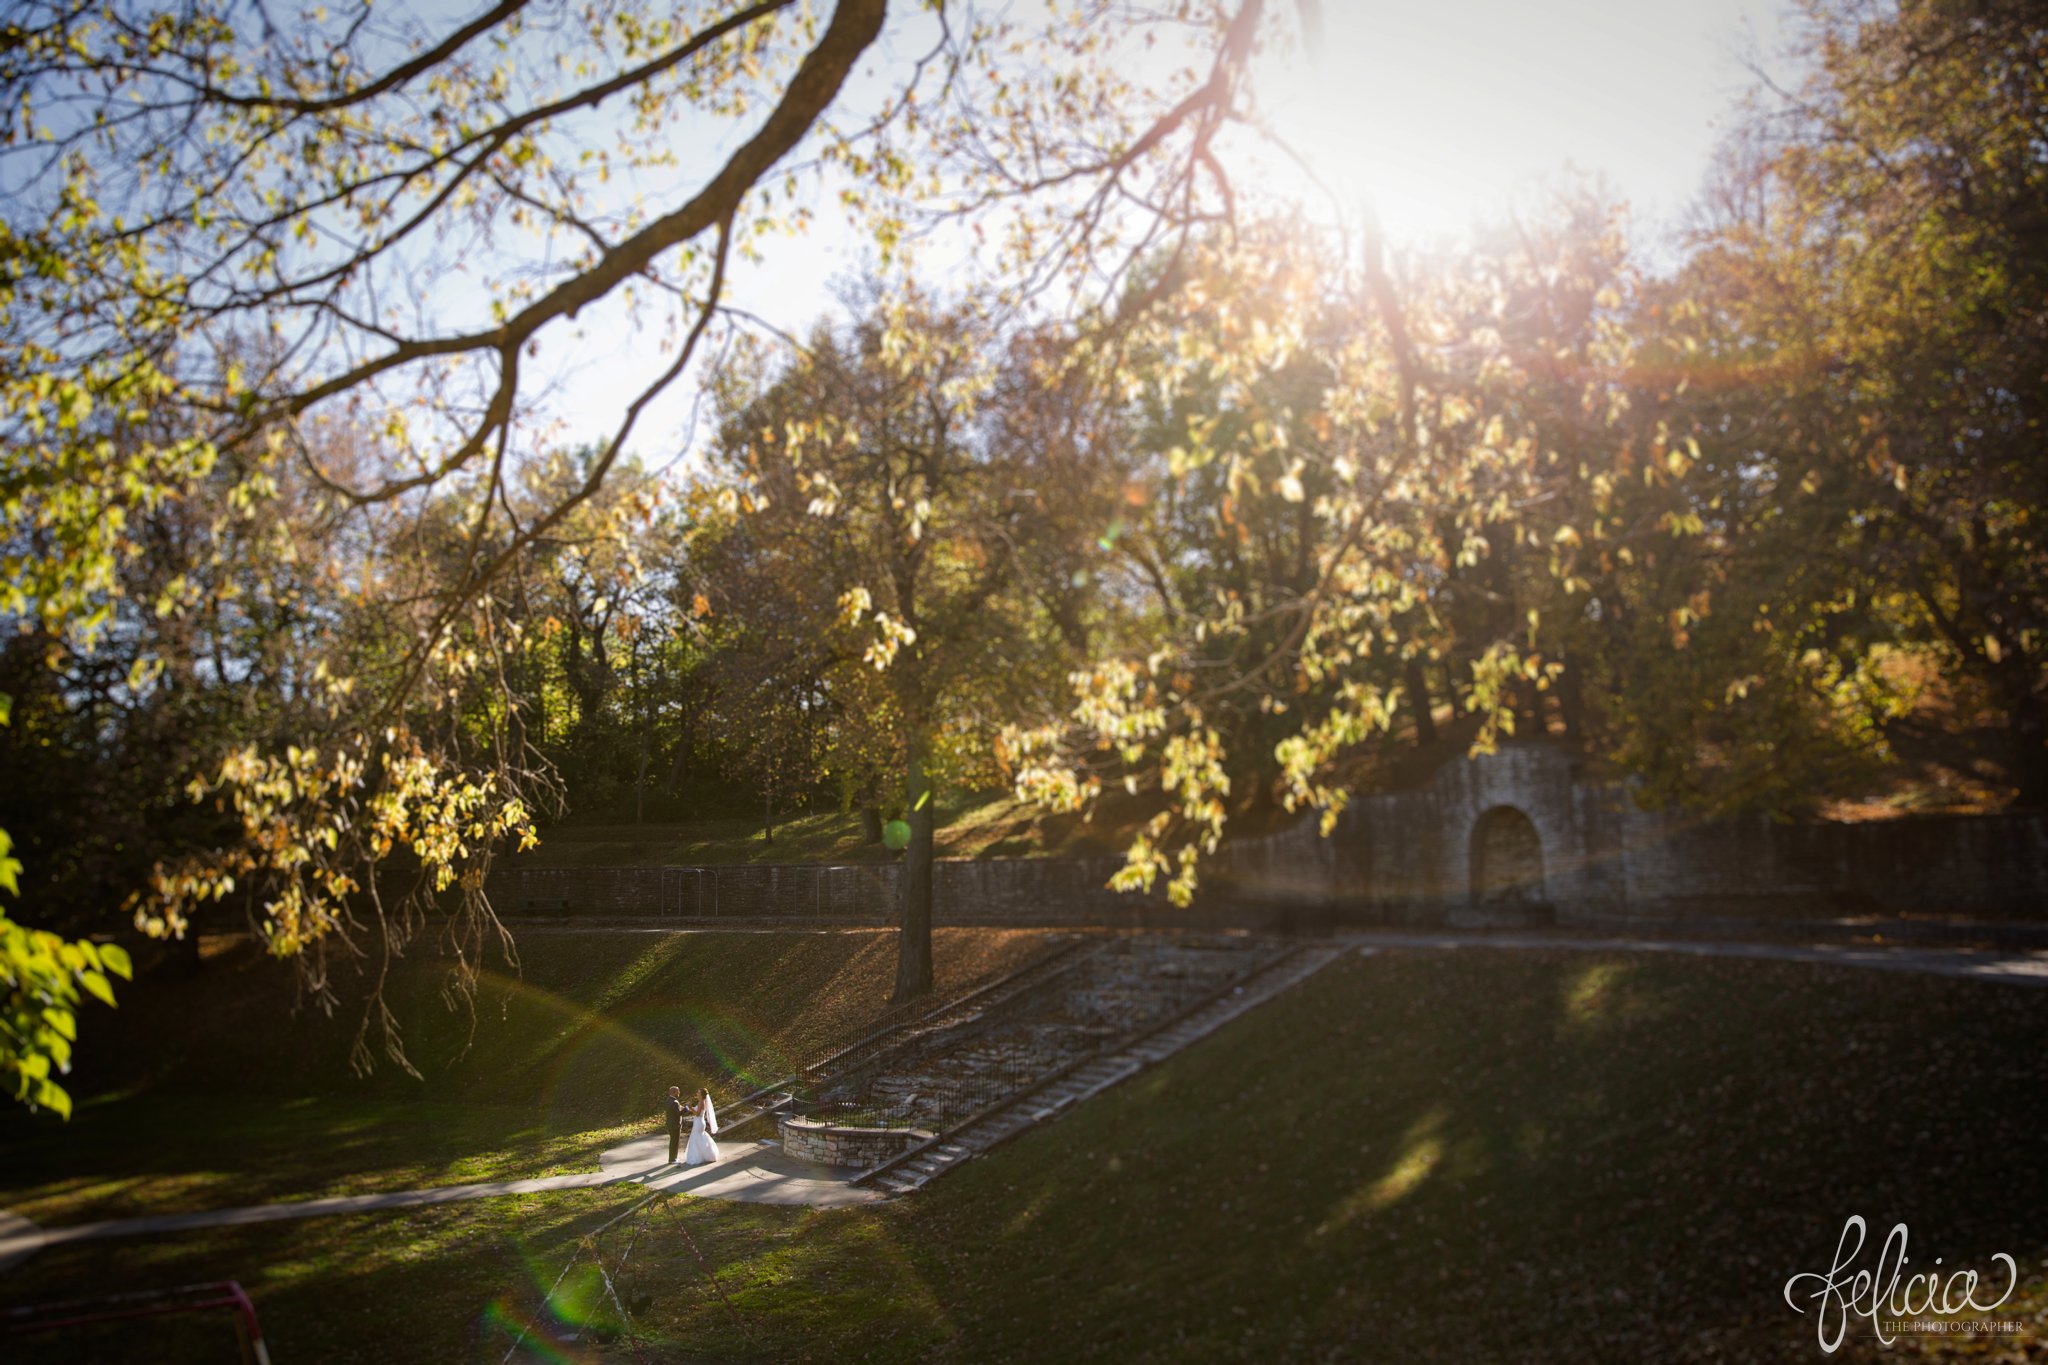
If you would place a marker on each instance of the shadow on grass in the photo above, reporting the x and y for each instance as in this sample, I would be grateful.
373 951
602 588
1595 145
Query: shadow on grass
254 1104
1470 1156
1484 1156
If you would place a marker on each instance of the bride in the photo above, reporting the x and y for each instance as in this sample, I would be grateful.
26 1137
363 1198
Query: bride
703 1123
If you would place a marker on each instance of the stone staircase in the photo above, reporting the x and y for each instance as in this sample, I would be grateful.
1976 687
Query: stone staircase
904 1034
1269 973
1129 986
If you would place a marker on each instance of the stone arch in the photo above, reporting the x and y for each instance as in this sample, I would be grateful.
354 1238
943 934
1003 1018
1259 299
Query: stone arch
1506 861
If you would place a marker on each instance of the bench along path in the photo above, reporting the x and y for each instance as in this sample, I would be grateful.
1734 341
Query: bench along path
1090 1076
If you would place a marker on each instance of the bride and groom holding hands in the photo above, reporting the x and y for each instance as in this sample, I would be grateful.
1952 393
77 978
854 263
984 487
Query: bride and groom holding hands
703 1123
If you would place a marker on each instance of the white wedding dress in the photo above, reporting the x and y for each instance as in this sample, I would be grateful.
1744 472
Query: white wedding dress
702 1125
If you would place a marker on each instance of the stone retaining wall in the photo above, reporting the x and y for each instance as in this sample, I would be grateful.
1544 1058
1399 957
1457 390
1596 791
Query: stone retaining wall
1515 837
830 1145
1606 860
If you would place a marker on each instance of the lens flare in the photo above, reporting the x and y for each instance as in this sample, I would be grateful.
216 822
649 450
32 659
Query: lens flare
650 1047
502 1317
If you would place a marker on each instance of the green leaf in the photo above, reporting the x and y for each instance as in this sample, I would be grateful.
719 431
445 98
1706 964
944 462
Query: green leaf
62 1020
52 1096
115 959
59 1049
98 985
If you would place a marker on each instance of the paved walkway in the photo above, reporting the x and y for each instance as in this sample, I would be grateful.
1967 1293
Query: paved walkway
756 1172
759 1172
753 1172
1982 964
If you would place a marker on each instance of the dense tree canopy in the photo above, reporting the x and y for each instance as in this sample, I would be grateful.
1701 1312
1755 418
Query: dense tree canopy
1192 494
325 259
906 499
1876 269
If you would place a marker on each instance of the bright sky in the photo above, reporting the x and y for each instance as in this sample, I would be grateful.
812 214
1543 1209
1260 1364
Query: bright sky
1437 112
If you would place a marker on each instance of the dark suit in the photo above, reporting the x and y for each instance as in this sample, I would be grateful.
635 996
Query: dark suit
675 1128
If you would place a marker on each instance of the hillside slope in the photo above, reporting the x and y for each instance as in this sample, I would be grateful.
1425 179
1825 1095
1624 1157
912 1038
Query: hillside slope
1441 1156
208 1089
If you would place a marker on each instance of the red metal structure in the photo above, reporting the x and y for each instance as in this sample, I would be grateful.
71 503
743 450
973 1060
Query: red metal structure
148 1303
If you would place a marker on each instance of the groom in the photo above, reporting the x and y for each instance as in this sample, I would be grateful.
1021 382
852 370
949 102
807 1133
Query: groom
675 1122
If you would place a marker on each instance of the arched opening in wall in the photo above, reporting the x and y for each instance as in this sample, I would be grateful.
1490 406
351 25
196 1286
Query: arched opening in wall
1507 862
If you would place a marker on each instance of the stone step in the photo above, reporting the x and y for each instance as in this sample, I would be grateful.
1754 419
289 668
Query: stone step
1070 1025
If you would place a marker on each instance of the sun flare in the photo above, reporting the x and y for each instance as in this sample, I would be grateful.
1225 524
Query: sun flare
1437 115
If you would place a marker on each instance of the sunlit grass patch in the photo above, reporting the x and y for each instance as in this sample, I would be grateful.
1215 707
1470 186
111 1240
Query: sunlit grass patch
969 825
568 1058
1450 1157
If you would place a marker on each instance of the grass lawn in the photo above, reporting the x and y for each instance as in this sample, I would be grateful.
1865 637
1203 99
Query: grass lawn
968 825
1418 1156
205 1092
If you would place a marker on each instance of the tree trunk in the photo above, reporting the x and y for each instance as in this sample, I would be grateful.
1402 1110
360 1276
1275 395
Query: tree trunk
540 710
768 813
640 702
1571 700
1528 703
914 933
1419 703
2027 733
679 767
870 823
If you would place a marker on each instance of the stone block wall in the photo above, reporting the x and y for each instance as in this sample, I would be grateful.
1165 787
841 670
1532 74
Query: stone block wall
1980 866
1605 861
1516 837
830 1145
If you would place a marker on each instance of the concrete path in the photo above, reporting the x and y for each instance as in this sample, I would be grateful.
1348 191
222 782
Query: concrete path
757 1172
752 1172
2028 968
